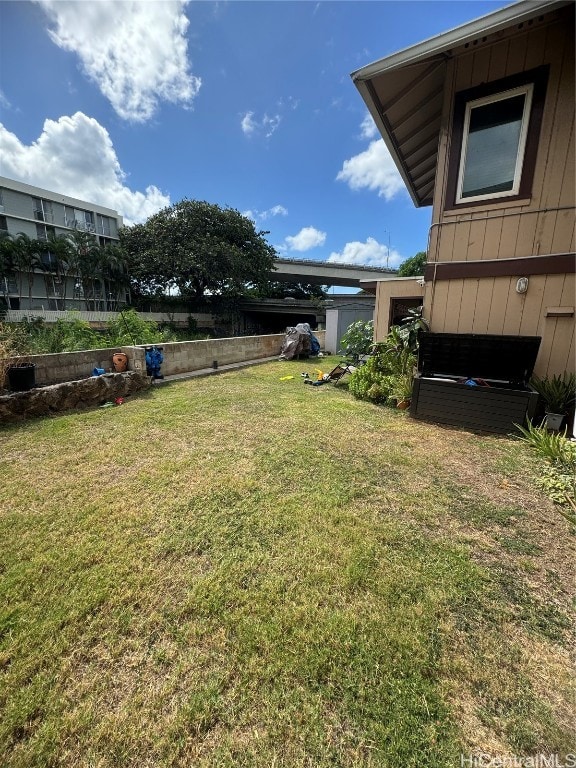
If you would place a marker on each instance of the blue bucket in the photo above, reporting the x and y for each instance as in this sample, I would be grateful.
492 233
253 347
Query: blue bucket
98 371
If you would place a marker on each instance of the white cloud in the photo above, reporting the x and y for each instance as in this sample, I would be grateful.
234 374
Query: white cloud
4 103
59 161
267 125
373 169
136 52
368 129
369 254
247 124
305 240
276 210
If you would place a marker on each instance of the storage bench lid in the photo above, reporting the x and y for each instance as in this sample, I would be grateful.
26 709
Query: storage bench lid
480 356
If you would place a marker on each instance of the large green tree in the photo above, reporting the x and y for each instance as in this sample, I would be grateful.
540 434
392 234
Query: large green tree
413 266
281 290
196 248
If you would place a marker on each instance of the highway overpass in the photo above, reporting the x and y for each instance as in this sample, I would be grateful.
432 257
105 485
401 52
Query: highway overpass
326 273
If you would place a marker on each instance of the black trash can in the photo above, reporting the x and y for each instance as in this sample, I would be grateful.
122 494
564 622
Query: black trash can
21 378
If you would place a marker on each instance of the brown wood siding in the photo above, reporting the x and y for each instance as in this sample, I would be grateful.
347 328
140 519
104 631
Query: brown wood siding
386 290
544 223
491 305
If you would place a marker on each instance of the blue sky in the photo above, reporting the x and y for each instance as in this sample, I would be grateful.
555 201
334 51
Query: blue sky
136 105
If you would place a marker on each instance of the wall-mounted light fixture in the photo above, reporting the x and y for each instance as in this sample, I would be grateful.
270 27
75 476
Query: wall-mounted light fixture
522 285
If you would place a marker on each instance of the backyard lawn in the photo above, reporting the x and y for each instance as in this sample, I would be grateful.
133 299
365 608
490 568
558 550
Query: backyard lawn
246 571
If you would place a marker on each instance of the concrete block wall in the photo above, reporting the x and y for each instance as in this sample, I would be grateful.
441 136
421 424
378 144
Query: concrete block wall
179 357
184 356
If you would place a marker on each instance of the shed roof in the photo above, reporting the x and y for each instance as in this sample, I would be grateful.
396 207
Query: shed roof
404 92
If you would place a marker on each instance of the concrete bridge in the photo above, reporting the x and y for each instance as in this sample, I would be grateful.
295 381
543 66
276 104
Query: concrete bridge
326 273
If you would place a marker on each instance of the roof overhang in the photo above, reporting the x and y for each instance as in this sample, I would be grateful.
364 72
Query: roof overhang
404 92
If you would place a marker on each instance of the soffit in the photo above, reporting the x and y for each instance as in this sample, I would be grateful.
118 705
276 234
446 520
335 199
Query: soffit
405 92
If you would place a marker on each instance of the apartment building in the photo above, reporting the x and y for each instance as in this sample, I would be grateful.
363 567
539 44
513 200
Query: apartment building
39 213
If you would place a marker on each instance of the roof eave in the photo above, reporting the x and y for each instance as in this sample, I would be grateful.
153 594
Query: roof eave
366 94
484 25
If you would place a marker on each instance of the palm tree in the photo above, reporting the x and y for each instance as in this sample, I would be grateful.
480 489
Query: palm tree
26 254
65 264
87 258
115 273
7 267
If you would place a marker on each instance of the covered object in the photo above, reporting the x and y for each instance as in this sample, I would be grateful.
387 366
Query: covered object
299 340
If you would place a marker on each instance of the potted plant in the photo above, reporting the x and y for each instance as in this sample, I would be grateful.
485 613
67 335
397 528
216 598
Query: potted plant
402 390
17 371
559 396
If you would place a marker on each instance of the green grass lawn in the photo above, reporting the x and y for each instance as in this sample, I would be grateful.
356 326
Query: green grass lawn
244 571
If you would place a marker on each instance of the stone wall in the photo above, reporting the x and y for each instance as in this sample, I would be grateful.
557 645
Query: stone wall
71 395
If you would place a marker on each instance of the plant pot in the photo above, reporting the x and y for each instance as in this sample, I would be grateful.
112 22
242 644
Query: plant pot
120 362
554 421
21 378
403 404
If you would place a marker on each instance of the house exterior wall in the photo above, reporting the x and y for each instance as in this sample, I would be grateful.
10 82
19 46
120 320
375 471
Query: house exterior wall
539 226
386 290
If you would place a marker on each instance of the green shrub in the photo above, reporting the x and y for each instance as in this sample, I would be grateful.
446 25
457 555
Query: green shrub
358 339
129 329
558 475
552 446
387 375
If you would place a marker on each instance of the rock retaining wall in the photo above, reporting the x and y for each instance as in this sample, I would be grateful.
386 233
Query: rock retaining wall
86 393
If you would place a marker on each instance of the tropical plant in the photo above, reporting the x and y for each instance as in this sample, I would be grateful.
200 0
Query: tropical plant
129 328
402 387
14 349
71 335
26 254
555 447
408 332
391 366
358 339
558 392
558 476
370 381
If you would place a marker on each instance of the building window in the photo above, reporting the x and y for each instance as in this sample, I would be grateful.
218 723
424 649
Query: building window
493 145
43 232
79 219
42 209
3 222
103 225
495 139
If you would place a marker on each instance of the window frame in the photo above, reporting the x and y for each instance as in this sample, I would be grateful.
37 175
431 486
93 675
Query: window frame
534 81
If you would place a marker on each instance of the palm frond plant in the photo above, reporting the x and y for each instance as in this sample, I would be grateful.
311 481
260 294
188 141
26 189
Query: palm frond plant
558 475
558 392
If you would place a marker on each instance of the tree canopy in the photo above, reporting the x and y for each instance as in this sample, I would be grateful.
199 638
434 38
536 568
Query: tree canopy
196 248
413 266
282 290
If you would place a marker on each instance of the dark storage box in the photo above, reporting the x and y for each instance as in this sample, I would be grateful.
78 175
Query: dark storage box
505 363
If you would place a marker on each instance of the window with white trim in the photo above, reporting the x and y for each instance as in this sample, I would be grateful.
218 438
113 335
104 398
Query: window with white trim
494 141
